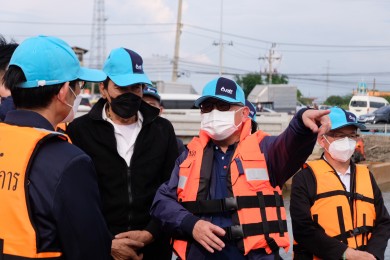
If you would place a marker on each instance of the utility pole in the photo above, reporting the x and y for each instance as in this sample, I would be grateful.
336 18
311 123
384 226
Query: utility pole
270 59
327 80
177 42
98 38
221 42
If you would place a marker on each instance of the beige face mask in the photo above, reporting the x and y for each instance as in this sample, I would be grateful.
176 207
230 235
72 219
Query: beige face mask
219 125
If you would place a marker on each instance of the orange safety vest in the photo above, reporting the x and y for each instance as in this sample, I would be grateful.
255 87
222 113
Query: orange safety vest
258 213
18 145
332 207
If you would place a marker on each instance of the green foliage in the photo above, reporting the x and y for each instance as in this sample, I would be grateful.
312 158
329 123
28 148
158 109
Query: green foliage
339 101
250 80
277 79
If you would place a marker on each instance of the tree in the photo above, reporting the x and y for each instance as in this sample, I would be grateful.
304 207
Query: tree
342 102
249 81
277 79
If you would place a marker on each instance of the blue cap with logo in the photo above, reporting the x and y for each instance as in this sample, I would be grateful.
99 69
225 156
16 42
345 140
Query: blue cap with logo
152 91
340 118
47 60
125 67
252 110
223 89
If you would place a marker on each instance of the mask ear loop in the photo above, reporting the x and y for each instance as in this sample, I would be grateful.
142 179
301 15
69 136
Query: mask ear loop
324 136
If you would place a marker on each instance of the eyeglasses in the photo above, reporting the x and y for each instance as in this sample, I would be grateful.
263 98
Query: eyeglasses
208 106
338 136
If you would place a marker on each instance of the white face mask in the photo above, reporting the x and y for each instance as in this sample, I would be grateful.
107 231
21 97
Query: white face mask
341 150
72 112
219 125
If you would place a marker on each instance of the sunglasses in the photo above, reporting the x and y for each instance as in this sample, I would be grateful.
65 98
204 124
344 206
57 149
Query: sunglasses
208 106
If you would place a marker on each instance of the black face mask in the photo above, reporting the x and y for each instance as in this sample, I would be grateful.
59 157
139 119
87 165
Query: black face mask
126 105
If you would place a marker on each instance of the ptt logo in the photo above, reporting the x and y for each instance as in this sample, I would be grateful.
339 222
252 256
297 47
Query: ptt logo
352 117
226 90
138 67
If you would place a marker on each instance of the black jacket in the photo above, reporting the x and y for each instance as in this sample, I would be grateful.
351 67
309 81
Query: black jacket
312 237
127 192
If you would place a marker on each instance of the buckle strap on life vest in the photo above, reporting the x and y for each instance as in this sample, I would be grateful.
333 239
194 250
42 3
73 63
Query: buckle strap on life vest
266 227
355 232
352 195
232 204
237 232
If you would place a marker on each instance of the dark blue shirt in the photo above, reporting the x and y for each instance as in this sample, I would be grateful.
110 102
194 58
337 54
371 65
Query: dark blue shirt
7 104
218 185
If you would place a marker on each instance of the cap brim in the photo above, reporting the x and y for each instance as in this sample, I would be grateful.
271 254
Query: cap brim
358 125
222 98
130 79
91 75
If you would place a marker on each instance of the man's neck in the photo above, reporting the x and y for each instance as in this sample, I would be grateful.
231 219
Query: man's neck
340 167
224 144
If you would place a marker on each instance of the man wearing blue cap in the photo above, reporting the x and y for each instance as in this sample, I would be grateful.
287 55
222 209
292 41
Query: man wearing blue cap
224 198
252 115
134 151
337 209
6 51
152 97
49 198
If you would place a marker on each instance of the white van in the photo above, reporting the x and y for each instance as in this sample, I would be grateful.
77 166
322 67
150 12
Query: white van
363 104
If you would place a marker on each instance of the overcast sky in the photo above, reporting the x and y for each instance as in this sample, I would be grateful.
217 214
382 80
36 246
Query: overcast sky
344 41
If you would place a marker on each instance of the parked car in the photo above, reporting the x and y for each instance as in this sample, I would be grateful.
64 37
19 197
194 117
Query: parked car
85 105
324 107
366 118
381 115
268 110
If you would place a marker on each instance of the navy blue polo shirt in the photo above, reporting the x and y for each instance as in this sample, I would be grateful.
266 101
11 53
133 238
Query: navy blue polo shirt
218 190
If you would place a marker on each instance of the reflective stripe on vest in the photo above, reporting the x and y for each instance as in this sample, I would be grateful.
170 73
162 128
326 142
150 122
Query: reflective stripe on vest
332 210
259 217
18 146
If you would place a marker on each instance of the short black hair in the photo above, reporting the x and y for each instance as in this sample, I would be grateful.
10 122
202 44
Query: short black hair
254 127
30 98
105 83
6 51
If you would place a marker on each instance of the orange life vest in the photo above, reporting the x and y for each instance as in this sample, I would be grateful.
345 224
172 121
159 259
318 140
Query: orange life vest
18 145
332 206
258 213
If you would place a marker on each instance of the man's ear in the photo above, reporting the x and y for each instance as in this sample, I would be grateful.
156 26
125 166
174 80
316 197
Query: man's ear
245 113
321 140
62 94
101 90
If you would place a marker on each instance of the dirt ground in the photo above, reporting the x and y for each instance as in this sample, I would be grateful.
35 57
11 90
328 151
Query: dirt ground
377 148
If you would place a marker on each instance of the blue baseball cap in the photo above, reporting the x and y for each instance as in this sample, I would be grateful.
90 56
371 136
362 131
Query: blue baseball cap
252 110
151 91
125 67
340 118
223 89
47 60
